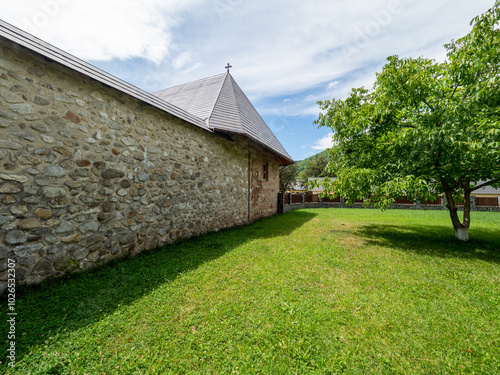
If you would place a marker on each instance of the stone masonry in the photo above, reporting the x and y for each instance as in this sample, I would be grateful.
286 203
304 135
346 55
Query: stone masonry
263 193
89 174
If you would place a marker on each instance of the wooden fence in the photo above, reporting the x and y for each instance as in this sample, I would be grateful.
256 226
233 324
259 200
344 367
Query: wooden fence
303 198
486 202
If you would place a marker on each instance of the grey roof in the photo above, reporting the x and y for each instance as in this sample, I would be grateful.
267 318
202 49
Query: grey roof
29 41
320 180
486 190
223 106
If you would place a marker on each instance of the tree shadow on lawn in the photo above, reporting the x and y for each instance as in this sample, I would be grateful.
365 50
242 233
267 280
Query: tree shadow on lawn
434 240
77 300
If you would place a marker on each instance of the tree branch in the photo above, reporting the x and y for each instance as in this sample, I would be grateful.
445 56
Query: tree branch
486 184
454 91
459 181
428 105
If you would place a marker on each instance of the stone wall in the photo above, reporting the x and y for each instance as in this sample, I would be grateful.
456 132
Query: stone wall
88 174
263 199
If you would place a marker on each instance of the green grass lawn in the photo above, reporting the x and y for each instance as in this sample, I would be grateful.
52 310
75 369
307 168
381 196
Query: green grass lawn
319 291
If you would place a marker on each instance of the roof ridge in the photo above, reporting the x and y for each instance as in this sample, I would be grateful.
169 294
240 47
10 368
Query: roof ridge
187 83
217 98
262 131
240 108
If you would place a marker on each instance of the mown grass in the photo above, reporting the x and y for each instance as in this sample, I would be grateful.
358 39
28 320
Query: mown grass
324 291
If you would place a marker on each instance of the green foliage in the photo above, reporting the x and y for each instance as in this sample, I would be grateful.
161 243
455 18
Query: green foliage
307 292
288 176
302 164
315 167
426 128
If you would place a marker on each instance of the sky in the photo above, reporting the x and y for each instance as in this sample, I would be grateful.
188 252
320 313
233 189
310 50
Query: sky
285 55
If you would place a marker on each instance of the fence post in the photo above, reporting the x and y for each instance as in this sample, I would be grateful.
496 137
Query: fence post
320 201
280 202
302 198
444 201
342 202
472 202
417 203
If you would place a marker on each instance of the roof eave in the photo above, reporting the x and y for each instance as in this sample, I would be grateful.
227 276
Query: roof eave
283 159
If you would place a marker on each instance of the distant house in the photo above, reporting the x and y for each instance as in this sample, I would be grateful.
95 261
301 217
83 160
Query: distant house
318 189
297 187
486 196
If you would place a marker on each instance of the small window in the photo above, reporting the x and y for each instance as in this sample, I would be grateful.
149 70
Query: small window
266 172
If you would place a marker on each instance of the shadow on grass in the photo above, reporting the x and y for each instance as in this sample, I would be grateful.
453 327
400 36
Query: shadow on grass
434 240
74 301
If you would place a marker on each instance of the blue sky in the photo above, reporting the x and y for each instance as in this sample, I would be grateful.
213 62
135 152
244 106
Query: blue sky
286 54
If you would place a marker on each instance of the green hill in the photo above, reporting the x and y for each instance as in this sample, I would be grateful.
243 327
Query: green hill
301 165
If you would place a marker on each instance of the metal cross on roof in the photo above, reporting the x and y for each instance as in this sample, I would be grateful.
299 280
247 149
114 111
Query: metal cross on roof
228 66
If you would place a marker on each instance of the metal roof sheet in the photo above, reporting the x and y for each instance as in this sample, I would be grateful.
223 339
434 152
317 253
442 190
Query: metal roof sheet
221 103
486 190
47 50
196 97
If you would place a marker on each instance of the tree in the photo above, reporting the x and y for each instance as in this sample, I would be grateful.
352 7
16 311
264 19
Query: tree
288 176
315 168
424 129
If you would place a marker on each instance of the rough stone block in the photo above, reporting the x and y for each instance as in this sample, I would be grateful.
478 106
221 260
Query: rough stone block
23 109
73 117
71 239
10 145
39 100
43 213
65 227
29 223
25 136
28 159
90 226
15 237
40 128
10 188
112 173
47 139
8 199
52 192
54 171
9 96
7 115
44 267
63 151
79 254
25 251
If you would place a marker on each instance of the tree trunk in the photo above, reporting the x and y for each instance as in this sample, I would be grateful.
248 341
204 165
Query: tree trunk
462 234
461 230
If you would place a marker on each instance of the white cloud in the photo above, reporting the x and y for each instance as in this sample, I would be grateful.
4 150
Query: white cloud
331 85
181 60
277 48
323 143
101 30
